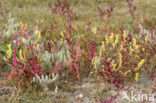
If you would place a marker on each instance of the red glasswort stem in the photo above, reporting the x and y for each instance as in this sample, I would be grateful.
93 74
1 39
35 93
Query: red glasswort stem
151 33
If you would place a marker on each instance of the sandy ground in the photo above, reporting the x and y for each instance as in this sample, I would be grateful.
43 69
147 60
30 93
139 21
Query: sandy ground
90 91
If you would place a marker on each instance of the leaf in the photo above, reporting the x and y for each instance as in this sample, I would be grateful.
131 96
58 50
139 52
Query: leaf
4 48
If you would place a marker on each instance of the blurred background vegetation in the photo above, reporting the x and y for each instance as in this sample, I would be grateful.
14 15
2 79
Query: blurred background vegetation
33 11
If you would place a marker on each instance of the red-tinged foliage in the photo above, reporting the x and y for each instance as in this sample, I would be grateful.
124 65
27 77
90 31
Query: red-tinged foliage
24 33
92 46
75 64
63 9
83 49
132 8
75 56
109 75
58 67
152 34
130 37
106 12
14 53
36 69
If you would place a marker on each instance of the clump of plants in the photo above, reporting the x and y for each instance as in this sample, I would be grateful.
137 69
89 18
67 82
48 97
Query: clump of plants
67 51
